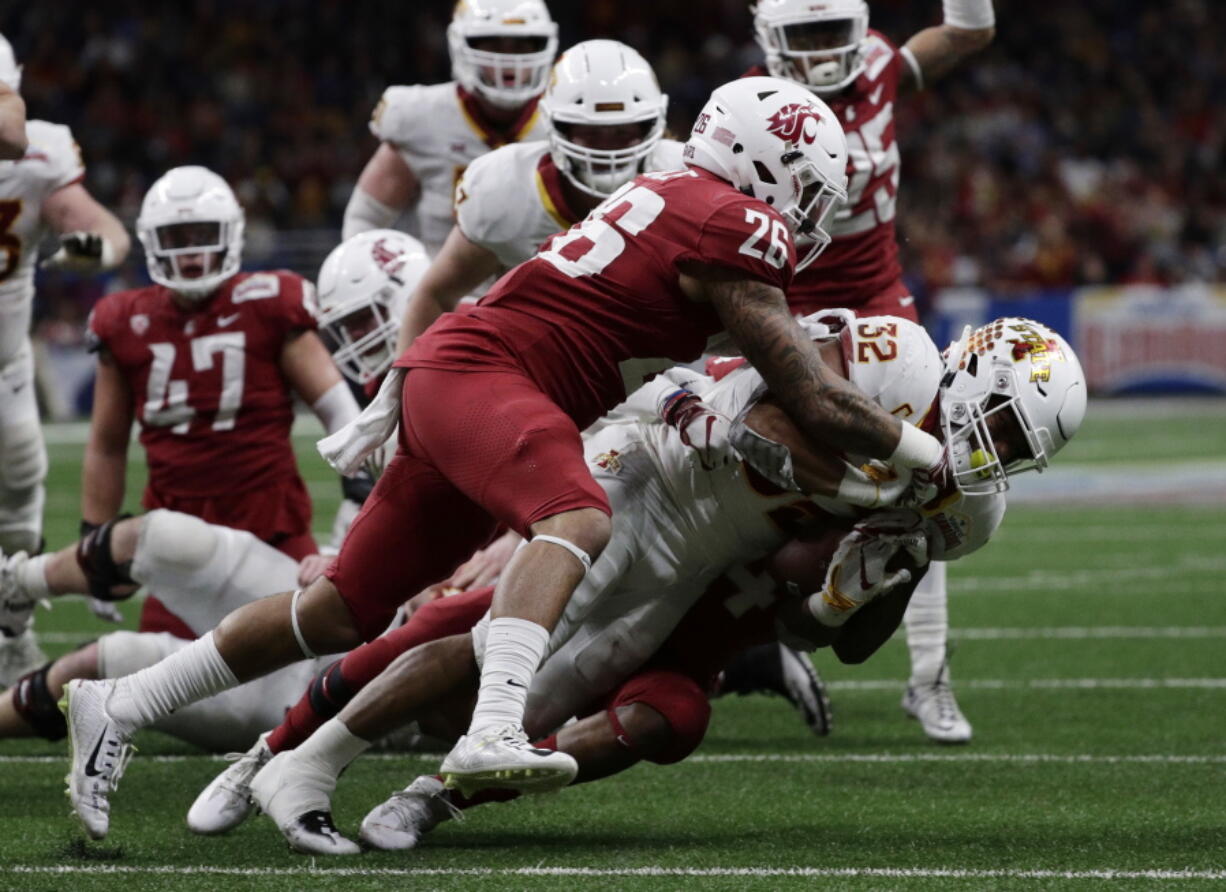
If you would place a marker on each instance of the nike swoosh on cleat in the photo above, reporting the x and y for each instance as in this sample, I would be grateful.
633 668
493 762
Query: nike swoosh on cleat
90 769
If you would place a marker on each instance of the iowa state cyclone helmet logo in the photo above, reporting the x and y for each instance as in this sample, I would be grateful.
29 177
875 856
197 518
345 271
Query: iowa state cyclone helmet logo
795 123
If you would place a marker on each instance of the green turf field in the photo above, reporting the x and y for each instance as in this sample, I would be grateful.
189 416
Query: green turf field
1089 656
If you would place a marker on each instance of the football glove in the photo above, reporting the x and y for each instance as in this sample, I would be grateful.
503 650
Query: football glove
82 252
858 571
705 431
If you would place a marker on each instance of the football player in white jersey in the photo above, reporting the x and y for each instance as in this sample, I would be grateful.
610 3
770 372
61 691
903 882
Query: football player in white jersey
831 49
13 139
683 520
39 191
605 117
501 52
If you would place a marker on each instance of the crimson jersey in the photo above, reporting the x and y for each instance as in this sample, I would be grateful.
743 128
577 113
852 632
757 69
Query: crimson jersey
861 262
213 407
600 308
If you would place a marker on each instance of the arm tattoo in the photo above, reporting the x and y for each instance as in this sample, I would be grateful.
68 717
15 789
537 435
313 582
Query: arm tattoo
826 407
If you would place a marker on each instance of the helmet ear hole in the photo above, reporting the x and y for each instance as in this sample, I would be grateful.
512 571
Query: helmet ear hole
764 173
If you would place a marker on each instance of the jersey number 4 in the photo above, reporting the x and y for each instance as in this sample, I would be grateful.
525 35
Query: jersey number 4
166 400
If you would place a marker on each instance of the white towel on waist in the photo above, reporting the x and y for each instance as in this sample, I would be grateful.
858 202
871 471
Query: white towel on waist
350 446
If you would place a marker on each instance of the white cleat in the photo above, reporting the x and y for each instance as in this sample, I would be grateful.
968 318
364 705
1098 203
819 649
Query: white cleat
298 798
226 801
937 711
503 758
100 752
411 813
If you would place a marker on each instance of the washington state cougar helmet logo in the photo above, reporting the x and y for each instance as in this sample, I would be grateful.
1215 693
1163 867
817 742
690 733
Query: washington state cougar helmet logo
795 123
389 259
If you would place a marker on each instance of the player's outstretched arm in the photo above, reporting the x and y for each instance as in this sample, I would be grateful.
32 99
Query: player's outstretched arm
91 238
307 365
458 268
969 26
106 453
827 408
385 189
13 142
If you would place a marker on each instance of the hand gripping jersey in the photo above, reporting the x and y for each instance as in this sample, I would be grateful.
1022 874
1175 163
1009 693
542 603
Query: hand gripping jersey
51 162
861 262
438 131
601 307
213 407
511 200
679 530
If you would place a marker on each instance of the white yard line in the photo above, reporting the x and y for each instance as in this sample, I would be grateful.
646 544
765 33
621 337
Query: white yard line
1109 873
1013 684
1105 579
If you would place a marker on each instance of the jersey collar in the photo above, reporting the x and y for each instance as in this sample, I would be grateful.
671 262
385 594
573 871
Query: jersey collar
495 135
549 187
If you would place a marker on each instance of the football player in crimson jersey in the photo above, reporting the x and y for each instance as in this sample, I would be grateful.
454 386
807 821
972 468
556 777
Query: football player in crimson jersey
501 51
207 360
493 401
830 49
41 191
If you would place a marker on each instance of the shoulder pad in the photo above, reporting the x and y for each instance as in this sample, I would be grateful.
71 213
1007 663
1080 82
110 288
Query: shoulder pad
398 114
52 146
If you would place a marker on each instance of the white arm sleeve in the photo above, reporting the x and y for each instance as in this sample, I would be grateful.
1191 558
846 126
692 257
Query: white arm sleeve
336 407
969 14
365 212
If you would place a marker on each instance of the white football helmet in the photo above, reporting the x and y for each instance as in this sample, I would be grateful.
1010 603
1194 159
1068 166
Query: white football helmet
364 287
506 80
10 71
774 140
602 83
191 227
819 45
1015 366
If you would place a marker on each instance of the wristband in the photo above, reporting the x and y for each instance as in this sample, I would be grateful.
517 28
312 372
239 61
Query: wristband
916 449
973 15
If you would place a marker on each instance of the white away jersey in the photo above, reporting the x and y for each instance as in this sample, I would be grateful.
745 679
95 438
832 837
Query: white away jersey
510 200
436 134
51 162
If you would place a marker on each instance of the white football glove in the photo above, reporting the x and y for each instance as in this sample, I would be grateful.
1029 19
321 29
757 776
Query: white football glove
858 574
705 431
82 252
873 485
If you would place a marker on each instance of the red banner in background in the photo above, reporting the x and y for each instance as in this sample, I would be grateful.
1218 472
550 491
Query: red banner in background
1142 338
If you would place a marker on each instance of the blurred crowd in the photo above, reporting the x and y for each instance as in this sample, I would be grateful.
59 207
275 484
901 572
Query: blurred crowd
1084 146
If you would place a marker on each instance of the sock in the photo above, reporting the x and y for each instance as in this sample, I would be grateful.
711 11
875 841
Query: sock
927 622
32 577
329 692
513 650
186 676
332 747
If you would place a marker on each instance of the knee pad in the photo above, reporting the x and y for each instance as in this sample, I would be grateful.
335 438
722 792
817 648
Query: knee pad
185 544
100 569
682 703
23 458
329 692
32 701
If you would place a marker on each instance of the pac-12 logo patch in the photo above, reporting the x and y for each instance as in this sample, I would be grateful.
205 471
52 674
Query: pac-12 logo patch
795 123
